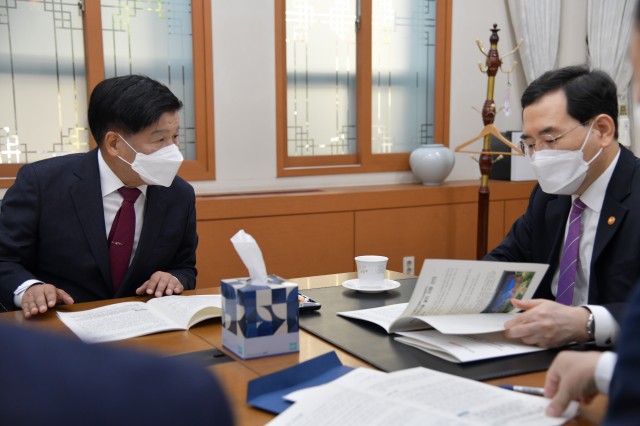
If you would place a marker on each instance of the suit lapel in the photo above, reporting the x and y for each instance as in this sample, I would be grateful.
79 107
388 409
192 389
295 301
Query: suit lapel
613 210
86 195
556 219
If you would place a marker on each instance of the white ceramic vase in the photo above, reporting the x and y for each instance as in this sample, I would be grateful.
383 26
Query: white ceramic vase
431 163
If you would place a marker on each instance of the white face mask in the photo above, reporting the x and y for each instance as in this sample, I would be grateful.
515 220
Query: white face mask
561 171
158 168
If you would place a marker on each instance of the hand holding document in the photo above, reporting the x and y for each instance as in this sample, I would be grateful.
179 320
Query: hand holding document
131 319
459 297
409 397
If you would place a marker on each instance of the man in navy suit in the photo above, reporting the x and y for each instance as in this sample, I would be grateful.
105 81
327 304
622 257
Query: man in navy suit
58 233
582 375
569 131
50 380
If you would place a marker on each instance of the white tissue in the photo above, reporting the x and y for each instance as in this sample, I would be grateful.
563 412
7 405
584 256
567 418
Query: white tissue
251 256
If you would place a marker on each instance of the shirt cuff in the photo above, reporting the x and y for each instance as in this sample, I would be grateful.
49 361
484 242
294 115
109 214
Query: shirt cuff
19 292
606 327
604 371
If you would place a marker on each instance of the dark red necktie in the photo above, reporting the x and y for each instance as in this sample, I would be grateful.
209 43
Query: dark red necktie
121 235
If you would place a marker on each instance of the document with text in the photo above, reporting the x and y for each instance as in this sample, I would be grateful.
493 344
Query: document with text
459 297
461 348
415 396
131 319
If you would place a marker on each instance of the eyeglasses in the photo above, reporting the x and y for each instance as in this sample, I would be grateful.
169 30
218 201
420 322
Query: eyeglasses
528 145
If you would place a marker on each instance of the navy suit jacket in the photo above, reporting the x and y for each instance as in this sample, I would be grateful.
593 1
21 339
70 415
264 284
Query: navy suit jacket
624 391
52 229
538 235
51 380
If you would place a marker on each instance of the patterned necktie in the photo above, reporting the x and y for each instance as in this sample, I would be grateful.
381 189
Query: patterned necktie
121 235
569 261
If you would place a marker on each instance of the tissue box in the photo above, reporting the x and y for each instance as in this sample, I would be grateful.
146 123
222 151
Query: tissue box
259 320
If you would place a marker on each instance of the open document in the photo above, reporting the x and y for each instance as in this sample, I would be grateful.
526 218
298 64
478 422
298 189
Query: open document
464 347
415 396
459 297
132 319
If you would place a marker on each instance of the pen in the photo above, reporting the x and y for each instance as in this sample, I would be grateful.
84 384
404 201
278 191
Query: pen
524 389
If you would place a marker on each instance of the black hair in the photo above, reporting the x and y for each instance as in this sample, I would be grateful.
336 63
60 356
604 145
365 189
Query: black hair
128 104
636 15
589 93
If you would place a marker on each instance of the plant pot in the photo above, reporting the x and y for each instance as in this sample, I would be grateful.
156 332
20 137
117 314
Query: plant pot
431 163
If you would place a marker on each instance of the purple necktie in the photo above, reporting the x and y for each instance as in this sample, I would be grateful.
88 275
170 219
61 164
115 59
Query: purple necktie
569 261
121 235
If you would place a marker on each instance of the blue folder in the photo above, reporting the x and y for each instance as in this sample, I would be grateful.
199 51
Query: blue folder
267 392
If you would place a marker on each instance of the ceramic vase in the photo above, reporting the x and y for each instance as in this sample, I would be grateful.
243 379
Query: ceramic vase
431 163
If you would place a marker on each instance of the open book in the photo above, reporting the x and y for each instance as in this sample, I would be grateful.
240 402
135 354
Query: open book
132 319
459 297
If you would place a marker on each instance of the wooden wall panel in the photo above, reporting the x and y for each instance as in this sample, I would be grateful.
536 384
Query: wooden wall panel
292 245
319 231
446 231
496 224
436 232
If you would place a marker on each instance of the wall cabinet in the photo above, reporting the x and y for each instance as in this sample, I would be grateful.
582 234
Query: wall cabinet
316 232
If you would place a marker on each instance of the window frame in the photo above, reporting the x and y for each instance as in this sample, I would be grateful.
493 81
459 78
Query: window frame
203 167
364 161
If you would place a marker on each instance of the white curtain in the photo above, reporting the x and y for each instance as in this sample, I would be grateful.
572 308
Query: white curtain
608 29
537 22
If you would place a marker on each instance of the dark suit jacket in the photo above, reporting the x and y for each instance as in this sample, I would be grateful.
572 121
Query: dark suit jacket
624 391
52 229
537 236
51 380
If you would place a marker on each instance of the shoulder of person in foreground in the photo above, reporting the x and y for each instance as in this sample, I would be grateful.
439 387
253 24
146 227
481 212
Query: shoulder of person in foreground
49 379
624 392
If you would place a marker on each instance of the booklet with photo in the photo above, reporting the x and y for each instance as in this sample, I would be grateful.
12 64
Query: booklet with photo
459 297
131 319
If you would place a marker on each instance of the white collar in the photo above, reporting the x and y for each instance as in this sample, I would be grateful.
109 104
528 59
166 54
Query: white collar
593 196
109 182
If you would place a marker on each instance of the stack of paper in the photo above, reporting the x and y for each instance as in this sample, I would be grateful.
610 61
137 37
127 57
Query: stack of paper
415 397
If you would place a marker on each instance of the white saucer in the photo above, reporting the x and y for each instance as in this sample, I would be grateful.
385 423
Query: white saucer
387 285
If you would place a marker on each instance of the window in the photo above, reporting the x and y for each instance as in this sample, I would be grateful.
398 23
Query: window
360 83
52 54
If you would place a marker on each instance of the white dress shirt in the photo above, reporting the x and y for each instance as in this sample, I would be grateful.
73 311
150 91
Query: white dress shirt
606 327
604 371
111 201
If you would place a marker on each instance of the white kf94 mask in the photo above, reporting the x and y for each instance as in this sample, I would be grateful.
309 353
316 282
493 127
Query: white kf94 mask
561 171
158 168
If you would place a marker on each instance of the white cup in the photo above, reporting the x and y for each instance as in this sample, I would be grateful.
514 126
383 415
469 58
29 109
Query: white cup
371 270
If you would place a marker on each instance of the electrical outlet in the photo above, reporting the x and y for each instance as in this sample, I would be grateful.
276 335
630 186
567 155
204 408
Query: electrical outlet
409 265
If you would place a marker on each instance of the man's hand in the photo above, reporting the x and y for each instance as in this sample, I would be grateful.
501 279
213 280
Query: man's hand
547 324
160 284
38 298
571 377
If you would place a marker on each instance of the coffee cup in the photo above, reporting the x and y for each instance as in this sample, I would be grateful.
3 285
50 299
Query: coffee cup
371 270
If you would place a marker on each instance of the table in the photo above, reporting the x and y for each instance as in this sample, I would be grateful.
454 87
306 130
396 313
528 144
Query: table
235 375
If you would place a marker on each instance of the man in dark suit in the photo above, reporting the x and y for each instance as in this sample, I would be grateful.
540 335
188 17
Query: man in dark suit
569 131
51 380
70 231
581 375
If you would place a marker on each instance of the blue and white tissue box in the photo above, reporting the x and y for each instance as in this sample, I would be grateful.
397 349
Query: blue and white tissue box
260 320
